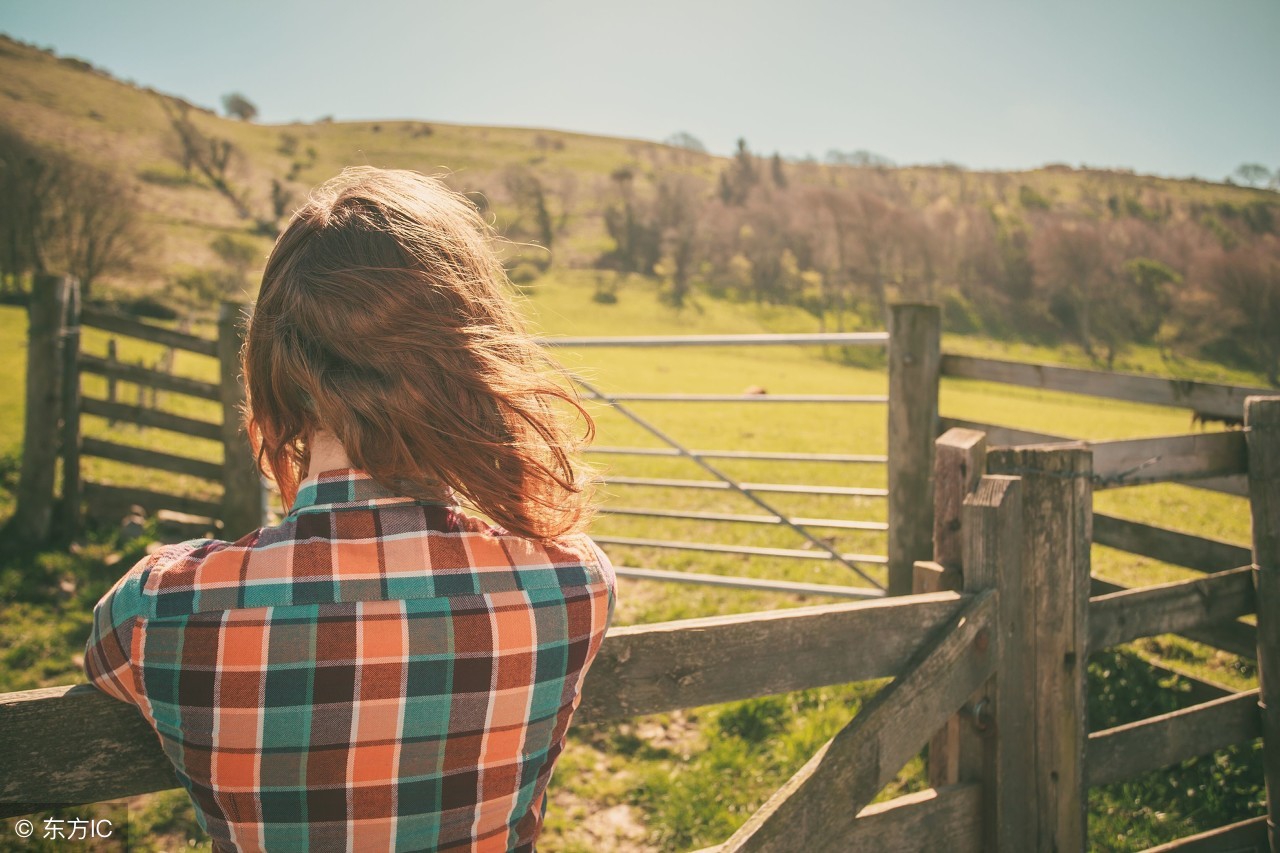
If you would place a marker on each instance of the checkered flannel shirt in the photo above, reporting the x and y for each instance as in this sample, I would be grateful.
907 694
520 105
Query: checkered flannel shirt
373 673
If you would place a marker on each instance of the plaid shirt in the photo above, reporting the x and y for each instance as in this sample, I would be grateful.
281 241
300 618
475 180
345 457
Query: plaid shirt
373 673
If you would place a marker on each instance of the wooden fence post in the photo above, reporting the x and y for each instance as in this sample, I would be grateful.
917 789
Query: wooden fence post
1262 420
1002 759
1057 522
242 497
960 459
914 360
112 358
71 491
33 516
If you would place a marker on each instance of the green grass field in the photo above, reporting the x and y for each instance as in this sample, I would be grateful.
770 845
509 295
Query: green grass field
658 782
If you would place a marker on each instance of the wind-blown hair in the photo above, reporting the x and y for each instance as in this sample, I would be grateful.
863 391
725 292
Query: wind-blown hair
385 318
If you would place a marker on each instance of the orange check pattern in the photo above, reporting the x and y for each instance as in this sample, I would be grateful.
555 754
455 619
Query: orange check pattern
373 673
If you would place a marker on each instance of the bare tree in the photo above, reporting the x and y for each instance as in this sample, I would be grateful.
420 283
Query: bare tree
60 214
211 156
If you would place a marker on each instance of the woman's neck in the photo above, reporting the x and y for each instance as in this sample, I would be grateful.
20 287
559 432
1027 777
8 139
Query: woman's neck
327 454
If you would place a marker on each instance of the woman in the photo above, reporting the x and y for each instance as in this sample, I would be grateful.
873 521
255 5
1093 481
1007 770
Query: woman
380 671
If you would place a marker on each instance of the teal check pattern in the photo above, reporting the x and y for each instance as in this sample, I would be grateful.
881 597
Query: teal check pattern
374 673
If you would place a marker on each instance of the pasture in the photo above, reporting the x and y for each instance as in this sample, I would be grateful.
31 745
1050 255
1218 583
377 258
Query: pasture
678 781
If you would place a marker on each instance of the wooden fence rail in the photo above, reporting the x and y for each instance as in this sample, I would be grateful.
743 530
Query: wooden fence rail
1223 401
76 744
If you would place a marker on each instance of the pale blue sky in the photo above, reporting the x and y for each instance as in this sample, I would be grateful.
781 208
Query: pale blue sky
1163 86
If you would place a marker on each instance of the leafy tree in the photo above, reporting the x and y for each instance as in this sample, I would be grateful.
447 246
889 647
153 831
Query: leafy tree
1253 174
238 106
777 172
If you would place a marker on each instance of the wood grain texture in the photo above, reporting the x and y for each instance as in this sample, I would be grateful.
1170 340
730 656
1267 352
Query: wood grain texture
1205 397
1168 546
1002 436
993 546
1170 608
70 509
33 517
914 333
75 745
960 460
1057 500
1168 459
820 802
1127 751
1234 637
150 458
112 321
1262 421
152 378
645 669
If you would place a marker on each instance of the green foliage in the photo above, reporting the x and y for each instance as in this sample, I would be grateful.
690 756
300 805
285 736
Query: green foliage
1032 200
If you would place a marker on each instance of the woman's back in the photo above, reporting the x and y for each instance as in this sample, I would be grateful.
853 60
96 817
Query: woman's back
376 672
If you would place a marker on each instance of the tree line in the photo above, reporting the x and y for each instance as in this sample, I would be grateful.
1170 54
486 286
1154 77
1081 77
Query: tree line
1105 260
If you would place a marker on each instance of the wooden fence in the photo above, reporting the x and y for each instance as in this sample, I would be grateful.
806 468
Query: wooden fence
995 666
988 656
55 405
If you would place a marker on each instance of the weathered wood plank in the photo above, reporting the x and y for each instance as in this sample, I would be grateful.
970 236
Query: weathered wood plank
1246 836
1127 751
108 501
112 321
32 519
72 494
151 418
1002 436
1169 459
645 669
1057 503
914 334
1170 608
1205 397
1003 758
150 458
960 459
145 376
1238 638
820 802
1262 422
75 745
1168 546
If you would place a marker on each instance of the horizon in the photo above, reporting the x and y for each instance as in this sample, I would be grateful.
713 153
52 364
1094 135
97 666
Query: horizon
987 89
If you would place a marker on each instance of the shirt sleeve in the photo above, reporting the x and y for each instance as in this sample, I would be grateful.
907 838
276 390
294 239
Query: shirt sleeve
119 619
108 655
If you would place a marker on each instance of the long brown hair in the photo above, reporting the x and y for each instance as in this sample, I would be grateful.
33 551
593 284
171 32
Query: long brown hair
386 318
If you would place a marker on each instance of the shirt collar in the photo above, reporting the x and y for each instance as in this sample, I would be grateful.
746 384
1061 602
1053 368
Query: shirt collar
349 488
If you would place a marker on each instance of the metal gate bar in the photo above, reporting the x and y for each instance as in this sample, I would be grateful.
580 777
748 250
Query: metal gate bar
729 481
